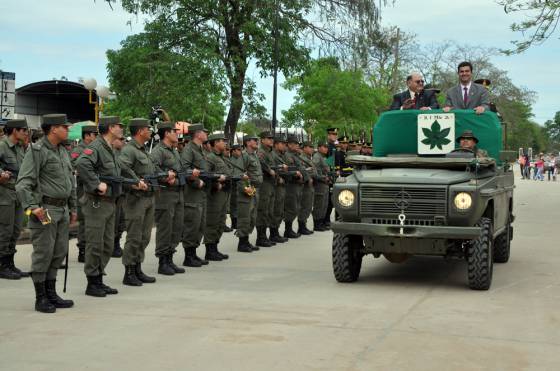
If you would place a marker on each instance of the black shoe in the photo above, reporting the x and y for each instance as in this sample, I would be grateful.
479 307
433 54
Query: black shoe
253 247
318 226
108 290
93 288
211 253
275 236
6 270
57 301
227 229
222 255
81 255
243 245
173 266
302 229
202 261
130 278
117 250
42 303
289 232
261 237
233 223
190 261
142 276
14 268
164 267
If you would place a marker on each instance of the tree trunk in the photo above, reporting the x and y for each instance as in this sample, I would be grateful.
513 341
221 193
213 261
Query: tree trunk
236 105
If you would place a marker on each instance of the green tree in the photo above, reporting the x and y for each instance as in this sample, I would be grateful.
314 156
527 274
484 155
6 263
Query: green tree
236 32
328 96
540 21
143 74
552 131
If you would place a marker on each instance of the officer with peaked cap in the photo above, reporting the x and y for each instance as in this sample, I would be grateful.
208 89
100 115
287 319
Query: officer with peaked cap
89 133
11 212
46 189
99 203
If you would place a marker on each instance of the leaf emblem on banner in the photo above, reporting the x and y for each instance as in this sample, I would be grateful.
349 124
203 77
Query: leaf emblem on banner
436 137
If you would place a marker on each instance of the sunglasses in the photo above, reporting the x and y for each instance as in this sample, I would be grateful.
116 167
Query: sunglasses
419 81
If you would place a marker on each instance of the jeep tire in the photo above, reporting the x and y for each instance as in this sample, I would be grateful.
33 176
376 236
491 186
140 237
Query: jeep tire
480 257
502 245
347 257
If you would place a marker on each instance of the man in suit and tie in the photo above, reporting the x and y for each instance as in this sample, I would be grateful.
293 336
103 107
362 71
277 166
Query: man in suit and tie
415 97
467 95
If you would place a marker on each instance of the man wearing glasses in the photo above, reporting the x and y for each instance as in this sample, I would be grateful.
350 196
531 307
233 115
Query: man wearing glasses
415 97
11 212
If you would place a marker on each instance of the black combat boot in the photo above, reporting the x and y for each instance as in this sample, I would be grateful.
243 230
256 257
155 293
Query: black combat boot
190 260
233 223
164 267
302 229
243 245
130 278
267 238
212 253
261 237
117 250
222 255
202 261
227 229
81 254
14 268
42 303
57 301
93 288
108 290
172 265
288 231
275 236
142 276
318 225
6 271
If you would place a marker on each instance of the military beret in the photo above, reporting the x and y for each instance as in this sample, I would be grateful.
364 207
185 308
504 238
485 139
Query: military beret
109 120
306 144
139 123
235 146
343 139
266 134
54 119
322 144
17 124
247 138
292 139
195 127
213 137
332 131
89 129
166 125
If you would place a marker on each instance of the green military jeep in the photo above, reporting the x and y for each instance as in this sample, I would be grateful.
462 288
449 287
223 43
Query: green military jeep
421 195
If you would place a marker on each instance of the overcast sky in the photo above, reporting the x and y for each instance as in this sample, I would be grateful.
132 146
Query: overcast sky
46 39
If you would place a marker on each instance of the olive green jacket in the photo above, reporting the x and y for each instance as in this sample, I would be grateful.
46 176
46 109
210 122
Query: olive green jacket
252 167
135 162
95 160
11 157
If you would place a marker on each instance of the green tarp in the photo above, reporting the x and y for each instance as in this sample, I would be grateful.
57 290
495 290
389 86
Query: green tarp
397 131
75 132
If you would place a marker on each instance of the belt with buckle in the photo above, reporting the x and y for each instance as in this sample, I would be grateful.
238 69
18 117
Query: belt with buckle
60 202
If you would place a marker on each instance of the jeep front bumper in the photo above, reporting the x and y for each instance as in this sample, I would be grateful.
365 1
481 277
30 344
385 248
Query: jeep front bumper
408 231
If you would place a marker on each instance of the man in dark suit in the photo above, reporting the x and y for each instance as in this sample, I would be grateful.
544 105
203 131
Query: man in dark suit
467 95
415 97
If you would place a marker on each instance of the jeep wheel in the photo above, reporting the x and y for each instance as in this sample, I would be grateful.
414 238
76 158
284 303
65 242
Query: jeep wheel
502 245
346 257
479 257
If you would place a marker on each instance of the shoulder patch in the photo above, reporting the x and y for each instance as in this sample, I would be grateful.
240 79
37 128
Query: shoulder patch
87 151
75 155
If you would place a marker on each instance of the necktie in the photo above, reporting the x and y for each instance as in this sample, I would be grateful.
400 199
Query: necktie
415 99
465 96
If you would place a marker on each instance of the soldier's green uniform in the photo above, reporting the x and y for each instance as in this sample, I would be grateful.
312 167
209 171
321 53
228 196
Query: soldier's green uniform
169 206
246 204
46 181
216 204
320 201
308 191
74 154
138 208
120 223
11 212
193 157
279 192
294 189
236 171
98 159
266 192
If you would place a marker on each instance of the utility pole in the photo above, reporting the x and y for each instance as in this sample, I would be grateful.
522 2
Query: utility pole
275 72
394 84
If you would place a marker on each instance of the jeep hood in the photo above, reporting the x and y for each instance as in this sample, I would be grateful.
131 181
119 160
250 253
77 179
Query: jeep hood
412 176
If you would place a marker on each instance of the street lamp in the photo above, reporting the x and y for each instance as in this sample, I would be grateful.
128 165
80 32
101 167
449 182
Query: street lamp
102 93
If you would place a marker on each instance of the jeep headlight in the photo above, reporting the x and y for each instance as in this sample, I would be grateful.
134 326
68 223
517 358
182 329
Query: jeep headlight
463 201
346 198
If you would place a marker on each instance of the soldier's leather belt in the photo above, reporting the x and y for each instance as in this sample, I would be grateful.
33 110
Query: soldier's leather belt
97 197
60 202
142 193
172 189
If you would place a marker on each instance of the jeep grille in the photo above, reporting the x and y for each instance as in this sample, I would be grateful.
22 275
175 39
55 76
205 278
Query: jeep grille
424 202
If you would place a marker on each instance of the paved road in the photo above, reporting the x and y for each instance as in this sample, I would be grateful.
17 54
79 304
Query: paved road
281 309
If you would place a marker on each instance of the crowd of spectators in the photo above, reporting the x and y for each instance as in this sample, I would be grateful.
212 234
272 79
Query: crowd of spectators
539 167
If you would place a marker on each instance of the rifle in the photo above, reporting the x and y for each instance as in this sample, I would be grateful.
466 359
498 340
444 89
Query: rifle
153 179
65 273
6 167
116 183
